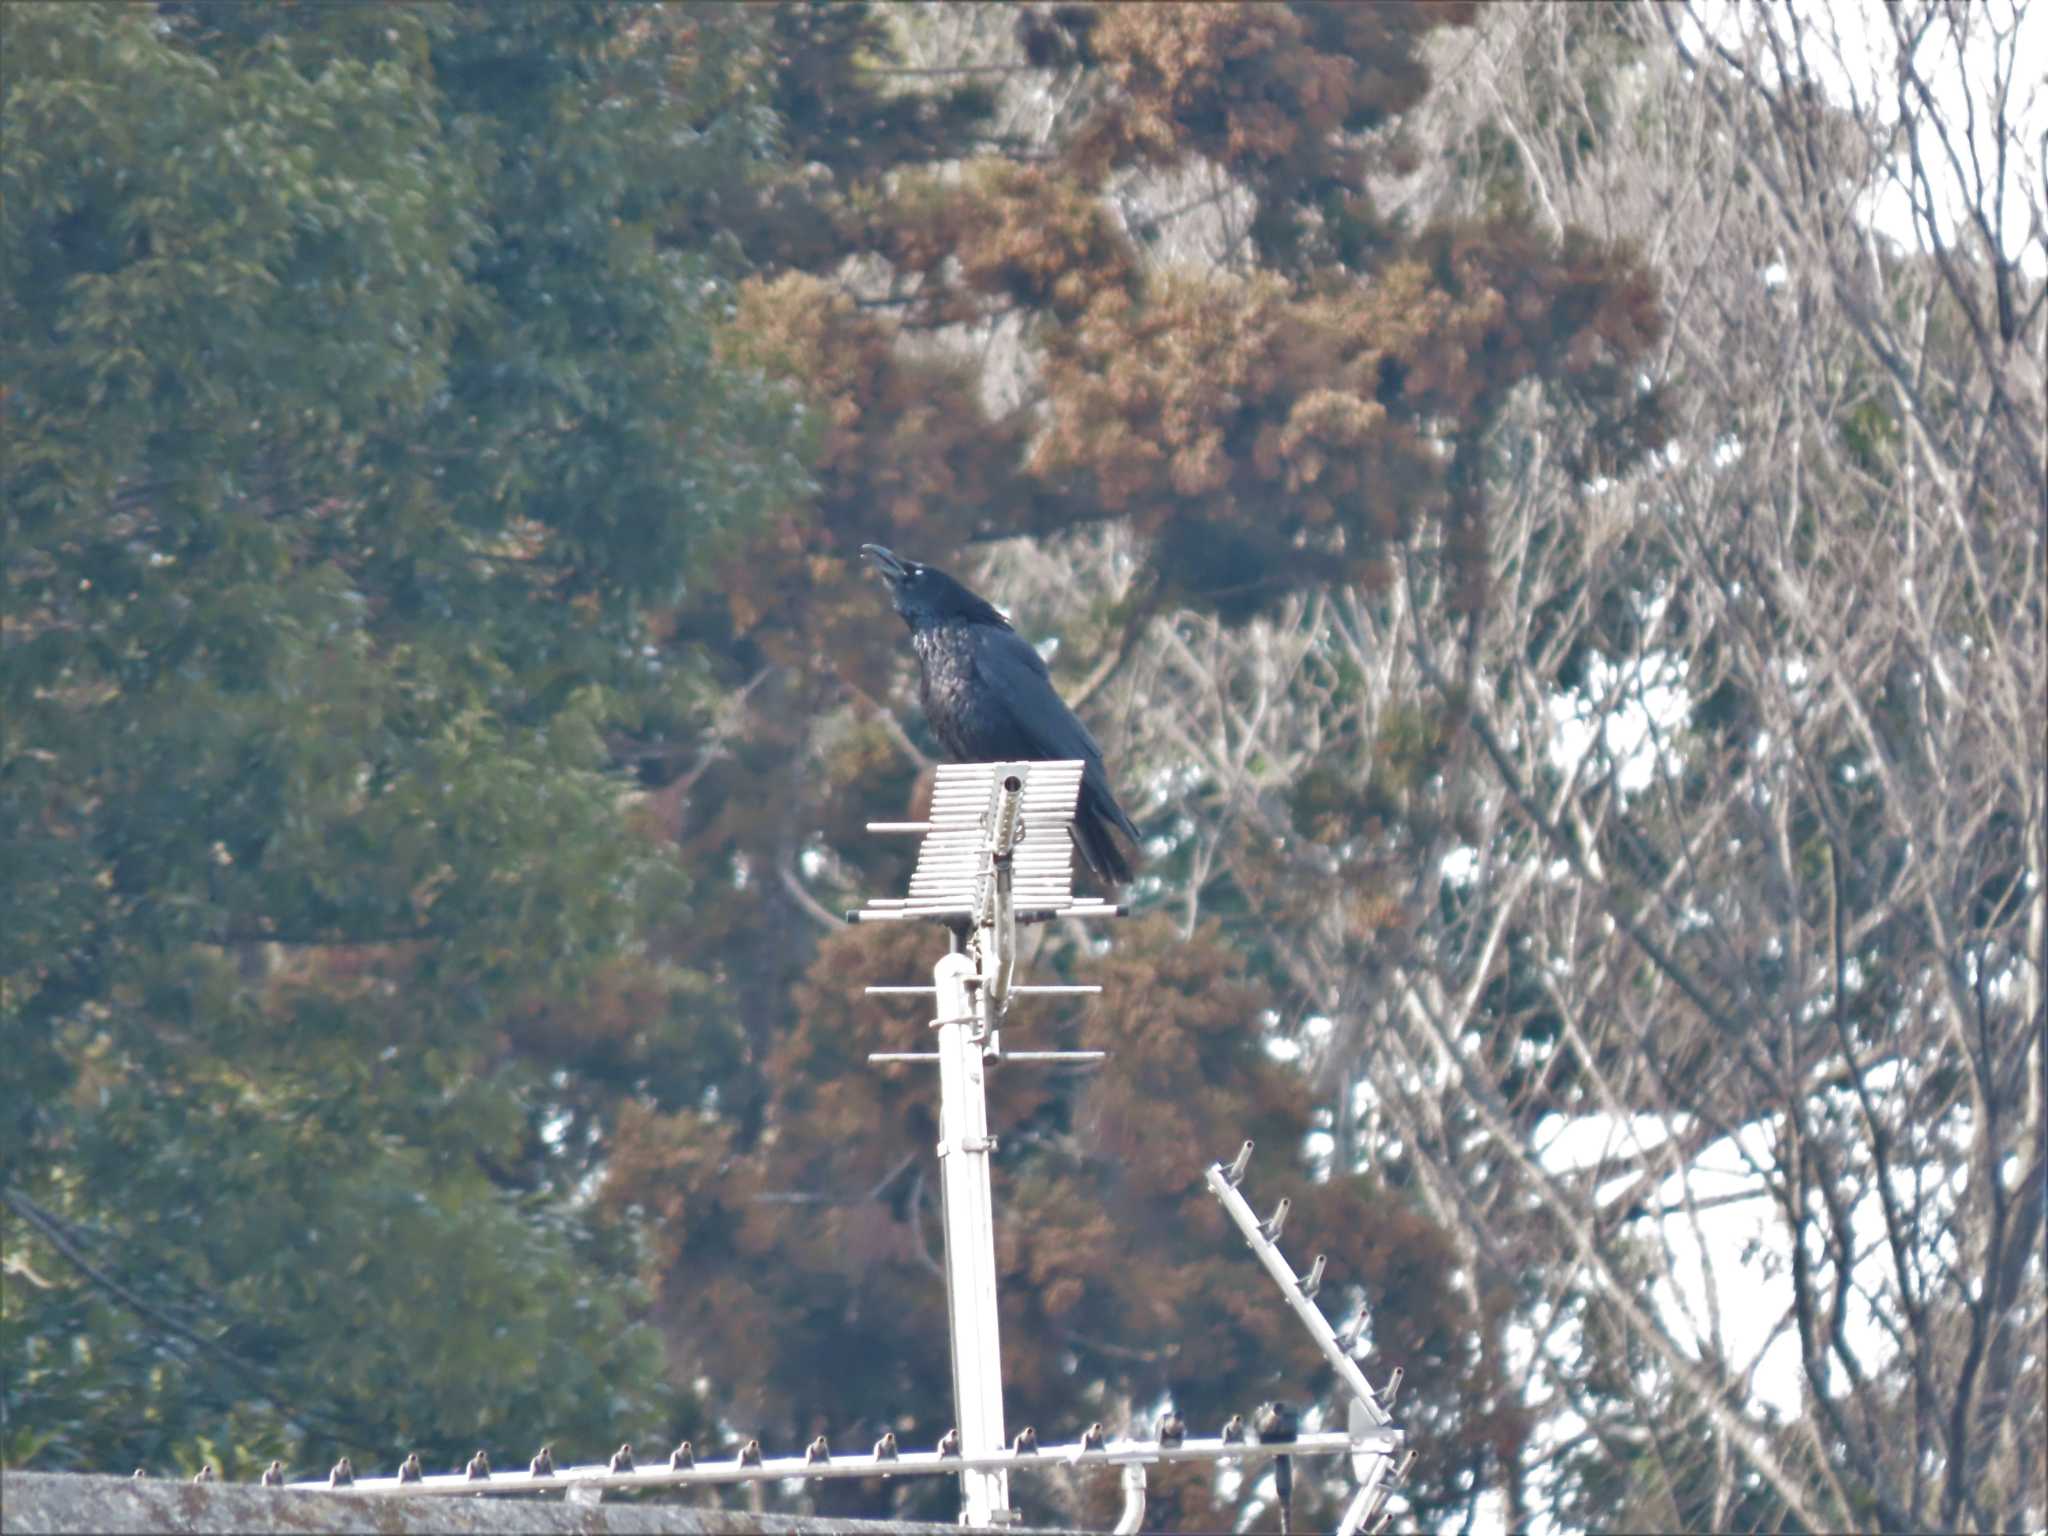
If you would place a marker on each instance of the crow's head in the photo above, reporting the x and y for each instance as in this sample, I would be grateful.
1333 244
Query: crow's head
925 595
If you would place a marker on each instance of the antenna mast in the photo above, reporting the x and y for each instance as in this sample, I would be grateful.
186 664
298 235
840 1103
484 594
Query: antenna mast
995 854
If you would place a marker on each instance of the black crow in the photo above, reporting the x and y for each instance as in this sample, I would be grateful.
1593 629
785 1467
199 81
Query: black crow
990 699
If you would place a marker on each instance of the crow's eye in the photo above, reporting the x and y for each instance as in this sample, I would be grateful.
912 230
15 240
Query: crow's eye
915 572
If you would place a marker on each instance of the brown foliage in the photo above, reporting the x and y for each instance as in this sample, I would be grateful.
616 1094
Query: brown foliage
1256 425
1274 94
677 1169
1224 419
902 455
1019 235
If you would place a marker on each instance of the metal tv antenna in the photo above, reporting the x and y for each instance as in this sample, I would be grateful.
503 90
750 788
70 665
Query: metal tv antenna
995 854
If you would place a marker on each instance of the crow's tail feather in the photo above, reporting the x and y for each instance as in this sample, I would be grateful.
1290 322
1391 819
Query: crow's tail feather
1096 814
1097 801
1098 847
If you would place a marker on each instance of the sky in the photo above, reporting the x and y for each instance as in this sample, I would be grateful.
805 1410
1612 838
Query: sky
2001 56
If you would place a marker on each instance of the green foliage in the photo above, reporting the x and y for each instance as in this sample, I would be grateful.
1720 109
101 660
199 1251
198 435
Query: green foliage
355 413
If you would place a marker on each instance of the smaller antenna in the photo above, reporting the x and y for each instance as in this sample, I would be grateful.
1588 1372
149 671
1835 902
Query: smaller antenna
1374 1439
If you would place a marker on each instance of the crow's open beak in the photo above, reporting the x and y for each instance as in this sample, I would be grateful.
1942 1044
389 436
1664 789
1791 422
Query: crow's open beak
892 569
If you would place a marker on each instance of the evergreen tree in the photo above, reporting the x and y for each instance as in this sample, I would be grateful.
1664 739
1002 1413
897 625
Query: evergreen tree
356 415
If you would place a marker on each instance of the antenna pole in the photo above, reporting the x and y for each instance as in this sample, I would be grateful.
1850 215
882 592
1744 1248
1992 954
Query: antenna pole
996 853
964 1148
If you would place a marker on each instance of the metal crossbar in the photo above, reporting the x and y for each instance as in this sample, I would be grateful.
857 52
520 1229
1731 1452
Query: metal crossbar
779 1469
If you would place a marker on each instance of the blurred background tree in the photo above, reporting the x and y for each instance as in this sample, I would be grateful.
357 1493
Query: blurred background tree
358 420
1447 452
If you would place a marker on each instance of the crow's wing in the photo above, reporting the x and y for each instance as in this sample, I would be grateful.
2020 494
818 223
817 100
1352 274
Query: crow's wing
1019 687
1028 720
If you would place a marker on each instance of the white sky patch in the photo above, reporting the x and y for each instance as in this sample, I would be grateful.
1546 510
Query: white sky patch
1725 1248
1852 54
1321 1149
1587 1141
1729 1262
1280 1048
1616 711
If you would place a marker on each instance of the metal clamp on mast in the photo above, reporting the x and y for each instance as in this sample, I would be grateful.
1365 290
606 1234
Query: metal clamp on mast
995 911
